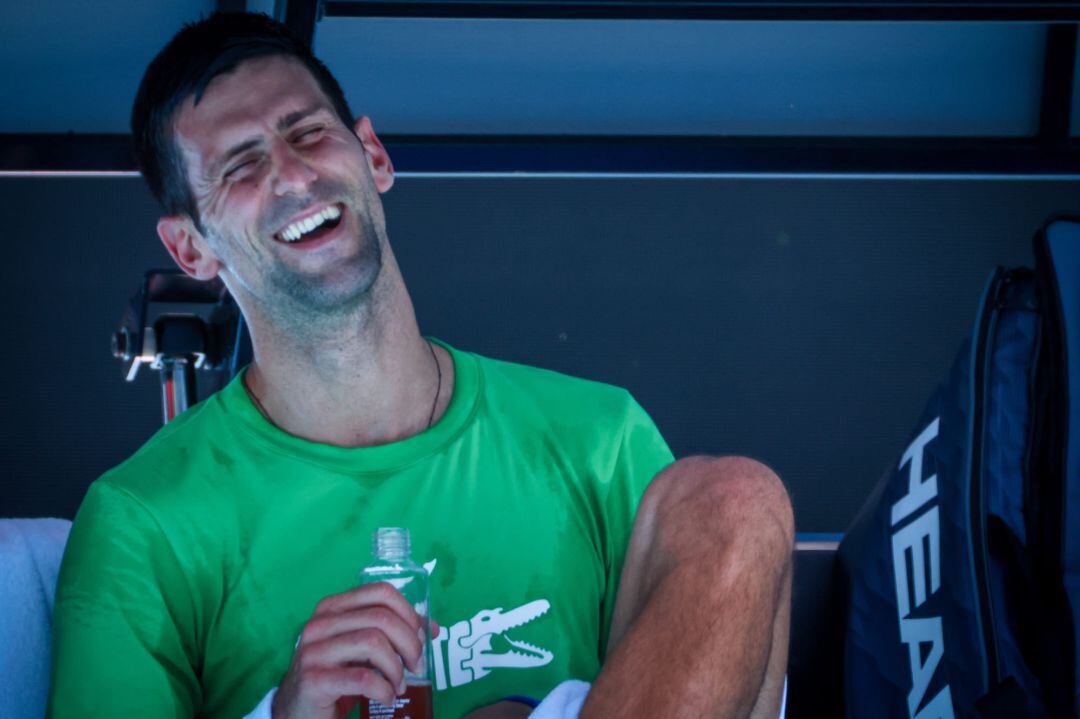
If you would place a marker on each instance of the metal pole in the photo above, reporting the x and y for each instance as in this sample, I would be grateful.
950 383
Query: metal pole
177 386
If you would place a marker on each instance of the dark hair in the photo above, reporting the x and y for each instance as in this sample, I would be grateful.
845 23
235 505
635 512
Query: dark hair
196 55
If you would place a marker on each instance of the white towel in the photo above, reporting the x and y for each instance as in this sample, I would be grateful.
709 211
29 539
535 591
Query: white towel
565 700
30 553
262 711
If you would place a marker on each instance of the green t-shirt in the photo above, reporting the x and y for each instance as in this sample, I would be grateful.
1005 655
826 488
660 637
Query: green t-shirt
192 567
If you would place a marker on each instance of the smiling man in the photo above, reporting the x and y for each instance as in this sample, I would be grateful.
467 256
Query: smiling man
214 572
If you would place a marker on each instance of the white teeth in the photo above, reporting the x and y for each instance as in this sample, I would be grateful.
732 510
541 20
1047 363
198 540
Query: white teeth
293 232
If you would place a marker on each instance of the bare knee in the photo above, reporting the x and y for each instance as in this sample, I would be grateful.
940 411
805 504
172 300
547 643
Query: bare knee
734 501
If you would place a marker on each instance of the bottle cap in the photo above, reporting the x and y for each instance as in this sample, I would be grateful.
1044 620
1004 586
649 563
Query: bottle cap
390 543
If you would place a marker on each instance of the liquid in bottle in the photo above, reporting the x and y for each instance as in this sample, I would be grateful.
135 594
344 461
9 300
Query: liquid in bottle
392 563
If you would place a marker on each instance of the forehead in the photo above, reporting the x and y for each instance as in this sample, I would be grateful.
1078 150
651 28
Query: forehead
241 103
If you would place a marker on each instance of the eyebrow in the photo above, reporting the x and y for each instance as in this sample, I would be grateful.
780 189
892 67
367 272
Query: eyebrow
287 121
284 123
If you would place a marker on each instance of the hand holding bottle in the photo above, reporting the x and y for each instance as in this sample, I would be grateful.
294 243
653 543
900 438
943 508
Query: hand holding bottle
391 563
357 643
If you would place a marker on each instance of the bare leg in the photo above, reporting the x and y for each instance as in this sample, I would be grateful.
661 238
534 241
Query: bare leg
772 688
700 627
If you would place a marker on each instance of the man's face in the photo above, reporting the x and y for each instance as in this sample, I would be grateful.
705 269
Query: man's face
266 158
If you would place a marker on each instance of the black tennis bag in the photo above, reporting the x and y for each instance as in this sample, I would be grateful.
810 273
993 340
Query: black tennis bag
962 571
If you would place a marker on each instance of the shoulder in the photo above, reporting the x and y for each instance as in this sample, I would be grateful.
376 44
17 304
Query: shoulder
551 392
574 417
158 472
167 504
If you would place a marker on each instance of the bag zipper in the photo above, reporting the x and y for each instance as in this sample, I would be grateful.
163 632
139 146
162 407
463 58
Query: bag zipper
982 354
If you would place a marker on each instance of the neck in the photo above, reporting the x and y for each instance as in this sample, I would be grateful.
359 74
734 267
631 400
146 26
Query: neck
364 378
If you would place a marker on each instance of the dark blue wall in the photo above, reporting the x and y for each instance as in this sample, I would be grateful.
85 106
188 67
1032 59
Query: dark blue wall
803 322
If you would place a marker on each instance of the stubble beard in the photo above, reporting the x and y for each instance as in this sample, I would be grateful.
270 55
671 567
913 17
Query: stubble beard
303 305
340 290
303 302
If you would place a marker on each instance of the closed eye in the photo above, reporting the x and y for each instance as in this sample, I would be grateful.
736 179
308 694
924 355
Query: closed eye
242 165
306 133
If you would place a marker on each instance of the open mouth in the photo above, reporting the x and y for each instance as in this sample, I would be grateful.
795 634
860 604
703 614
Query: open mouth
313 228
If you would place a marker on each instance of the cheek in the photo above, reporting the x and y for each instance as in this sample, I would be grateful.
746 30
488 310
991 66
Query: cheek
241 196
342 152
235 236
236 210
235 247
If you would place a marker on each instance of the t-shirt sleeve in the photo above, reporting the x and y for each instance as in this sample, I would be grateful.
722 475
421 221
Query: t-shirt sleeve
122 637
641 454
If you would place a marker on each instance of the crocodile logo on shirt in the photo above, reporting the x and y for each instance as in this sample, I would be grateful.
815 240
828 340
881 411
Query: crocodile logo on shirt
471 648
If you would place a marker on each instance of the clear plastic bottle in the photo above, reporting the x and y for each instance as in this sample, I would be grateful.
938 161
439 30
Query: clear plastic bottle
391 563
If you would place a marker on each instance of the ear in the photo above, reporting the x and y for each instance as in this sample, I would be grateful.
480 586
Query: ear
188 247
382 169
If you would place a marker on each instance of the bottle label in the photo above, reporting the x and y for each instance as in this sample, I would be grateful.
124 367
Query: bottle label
415 703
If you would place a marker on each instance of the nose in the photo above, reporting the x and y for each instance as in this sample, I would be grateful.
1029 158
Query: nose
292 172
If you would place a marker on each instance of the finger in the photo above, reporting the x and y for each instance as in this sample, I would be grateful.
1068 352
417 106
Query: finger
369 595
403 638
364 646
435 628
329 684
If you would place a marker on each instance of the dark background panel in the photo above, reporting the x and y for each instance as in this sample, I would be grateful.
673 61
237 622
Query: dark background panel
76 252
802 322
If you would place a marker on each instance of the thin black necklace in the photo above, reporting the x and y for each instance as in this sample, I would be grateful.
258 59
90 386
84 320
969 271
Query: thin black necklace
434 403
